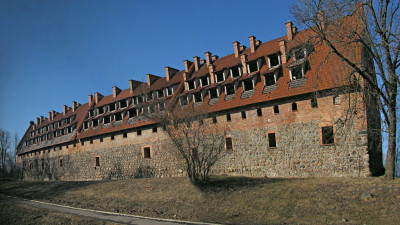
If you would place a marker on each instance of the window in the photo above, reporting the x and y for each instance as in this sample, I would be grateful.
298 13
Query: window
91 141
228 144
214 119
61 162
100 110
97 160
106 120
197 97
123 104
273 60
299 54
243 114
336 100
269 79
259 112
95 123
235 72
184 101
154 129
297 73
125 135
294 106
271 140
118 116
276 109
314 103
252 66
112 137
213 94
42 164
248 85
190 85
160 93
219 77
101 139
139 132
82 142
327 135
228 117
111 107
230 89
204 80
146 152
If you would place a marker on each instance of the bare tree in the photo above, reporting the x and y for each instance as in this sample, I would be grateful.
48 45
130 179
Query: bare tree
345 26
5 144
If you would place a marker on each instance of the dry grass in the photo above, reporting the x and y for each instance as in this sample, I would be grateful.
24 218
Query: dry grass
230 200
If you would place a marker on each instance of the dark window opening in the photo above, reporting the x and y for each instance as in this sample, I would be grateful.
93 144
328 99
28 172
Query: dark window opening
139 99
269 79
253 66
243 114
118 116
112 137
97 161
123 104
82 142
132 112
184 101
139 132
204 80
169 90
125 135
214 119
229 144
112 107
154 129
219 77
149 96
297 73
106 119
190 85
197 97
42 164
235 72
276 109
101 139
336 100
299 54
213 94
61 163
230 89
101 110
273 60
160 93
91 141
271 140
95 123
327 135
228 117
146 152
294 106
259 112
248 85
314 102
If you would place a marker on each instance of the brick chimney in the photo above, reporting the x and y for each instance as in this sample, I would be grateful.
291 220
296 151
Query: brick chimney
151 79
243 59
289 29
41 119
258 43
50 116
282 47
236 47
202 62
252 40
184 79
212 76
90 99
169 72
133 84
187 65
74 106
53 114
242 48
97 97
208 58
37 120
116 91
65 109
196 61
215 57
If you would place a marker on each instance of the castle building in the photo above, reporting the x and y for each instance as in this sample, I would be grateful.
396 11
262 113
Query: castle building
290 109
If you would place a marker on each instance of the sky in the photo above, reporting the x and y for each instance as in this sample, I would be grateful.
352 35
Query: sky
55 52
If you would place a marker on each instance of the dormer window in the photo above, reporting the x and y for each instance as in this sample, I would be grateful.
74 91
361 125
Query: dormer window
161 106
106 120
230 89
160 93
91 113
132 112
219 77
95 123
274 60
236 71
118 116
213 93
197 97
111 107
299 54
253 66
169 91
149 96
204 80
248 85
270 79
191 85
296 72
184 101
140 99
100 110
123 104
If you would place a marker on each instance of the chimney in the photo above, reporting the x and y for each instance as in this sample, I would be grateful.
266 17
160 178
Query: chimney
208 58
258 43
289 29
74 106
321 19
242 48
294 31
50 115
236 46
151 79
133 84
31 123
196 61
282 47
90 99
116 91
202 62
214 57
211 70
252 40
184 79
187 65
97 97
37 120
53 114
243 59
65 109
169 72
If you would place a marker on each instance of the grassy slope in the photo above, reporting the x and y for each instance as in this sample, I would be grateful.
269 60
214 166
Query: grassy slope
230 200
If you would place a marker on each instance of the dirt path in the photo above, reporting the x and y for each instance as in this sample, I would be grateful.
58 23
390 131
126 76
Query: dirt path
101 215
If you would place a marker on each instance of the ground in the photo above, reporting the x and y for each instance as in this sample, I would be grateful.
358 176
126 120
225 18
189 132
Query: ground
229 200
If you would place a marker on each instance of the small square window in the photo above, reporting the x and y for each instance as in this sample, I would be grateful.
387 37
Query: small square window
139 132
112 137
336 100
228 117
327 135
125 135
271 140
259 112
294 106
154 129
229 144
97 160
214 119
146 152
276 109
243 114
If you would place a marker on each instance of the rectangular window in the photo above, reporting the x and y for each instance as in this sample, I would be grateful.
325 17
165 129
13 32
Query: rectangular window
125 135
213 94
42 164
243 114
297 73
82 142
91 141
101 139
123 104
214 119
259 112
111 107
252 66
229 144
184 101
235 71
204 80
228 117
190 85
314 102
327 135
160 93
276 109
112 137
294 106
336 100
146 152
248 85
219 77
197 97
269 79
139 132
273 60
97 160
271 140
230 89
154 129
61 163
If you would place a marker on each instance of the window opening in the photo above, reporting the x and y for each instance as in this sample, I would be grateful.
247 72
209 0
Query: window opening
276 109
230 89
204 81
228 117
248 84
259 112
269 79
219 77
273 60
146 152
97 161
123 104
139 132
243 114
111 107
160 93
197 97
327 135
297 72
235 71
214 119
154 129
112 137
213 94
314 102
271 140
184 101
252 66
190 85
229 144
294 106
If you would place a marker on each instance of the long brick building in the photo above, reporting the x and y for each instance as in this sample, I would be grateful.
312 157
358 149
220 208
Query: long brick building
289 108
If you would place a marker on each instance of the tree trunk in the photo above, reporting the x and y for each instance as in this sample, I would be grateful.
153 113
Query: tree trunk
391 153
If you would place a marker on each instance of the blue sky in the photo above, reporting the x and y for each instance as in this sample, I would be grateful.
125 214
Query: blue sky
55 52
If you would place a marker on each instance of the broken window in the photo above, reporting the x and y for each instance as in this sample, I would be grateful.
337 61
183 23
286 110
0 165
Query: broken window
190 85
230 89
235 71
248 85
243 113
252 66
146 152
299 54
276 109
197 97
273 60
269 79
204 80
294 106
259 112
219 77
97 160
327 135
228 144
271 140
213 93
228 117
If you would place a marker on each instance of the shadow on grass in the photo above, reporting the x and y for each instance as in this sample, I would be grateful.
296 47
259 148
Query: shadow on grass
217 184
